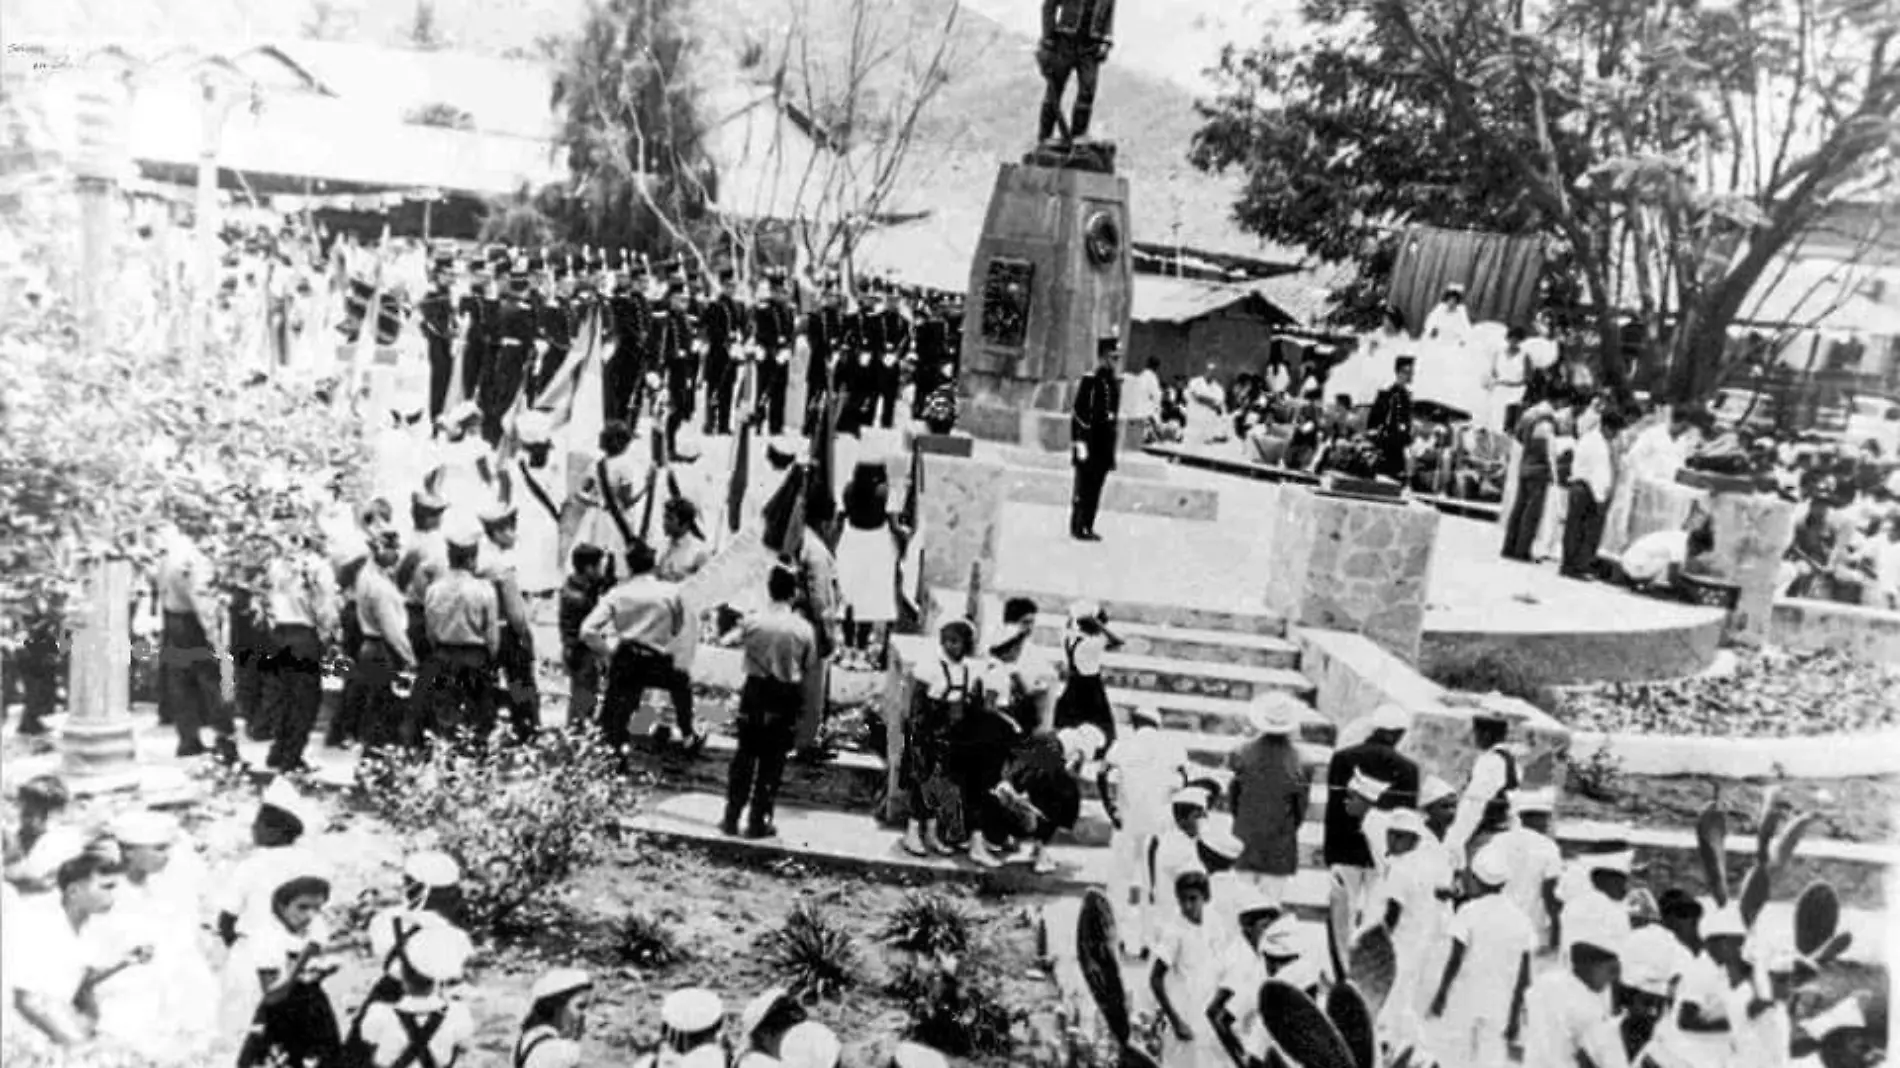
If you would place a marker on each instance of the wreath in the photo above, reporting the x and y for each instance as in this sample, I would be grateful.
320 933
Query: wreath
1103 239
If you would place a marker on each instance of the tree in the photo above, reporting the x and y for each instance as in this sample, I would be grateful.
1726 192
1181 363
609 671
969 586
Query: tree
1673 156
423 31
632 130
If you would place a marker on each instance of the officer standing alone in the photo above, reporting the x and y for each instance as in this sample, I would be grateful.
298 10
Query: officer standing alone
1094 431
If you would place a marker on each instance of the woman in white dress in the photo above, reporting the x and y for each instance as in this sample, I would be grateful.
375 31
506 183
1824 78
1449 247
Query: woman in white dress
867 556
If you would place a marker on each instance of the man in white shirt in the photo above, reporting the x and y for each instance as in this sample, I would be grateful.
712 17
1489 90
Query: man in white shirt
1484 806
53 959
1141 394
1592 477
1481 993
1534 860
1146 767
1567 1019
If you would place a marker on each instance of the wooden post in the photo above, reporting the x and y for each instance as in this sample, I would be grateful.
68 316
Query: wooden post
98 741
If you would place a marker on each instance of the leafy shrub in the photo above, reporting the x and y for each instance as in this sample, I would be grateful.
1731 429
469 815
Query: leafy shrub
1595 777
519 819
648 941
928 924
1487 671
954 1008
814 956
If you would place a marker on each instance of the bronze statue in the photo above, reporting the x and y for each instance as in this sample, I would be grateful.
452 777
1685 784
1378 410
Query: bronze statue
1075 40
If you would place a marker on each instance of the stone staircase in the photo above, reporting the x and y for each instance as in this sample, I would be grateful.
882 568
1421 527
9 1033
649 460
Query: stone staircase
1199 669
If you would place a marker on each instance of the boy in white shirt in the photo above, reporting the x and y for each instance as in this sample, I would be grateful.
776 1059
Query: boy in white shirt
1567 1015
1173 853
1481 993
1535 861
1145 768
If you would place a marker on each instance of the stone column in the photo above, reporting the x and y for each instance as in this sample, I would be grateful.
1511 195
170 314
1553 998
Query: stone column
1752 533
962 506
1352 564
97 743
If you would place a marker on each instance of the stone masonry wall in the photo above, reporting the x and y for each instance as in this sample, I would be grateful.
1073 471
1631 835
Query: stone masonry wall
1353 565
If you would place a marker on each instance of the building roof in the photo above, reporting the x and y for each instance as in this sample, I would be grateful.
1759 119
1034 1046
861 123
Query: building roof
1160 299
1829 294
507 97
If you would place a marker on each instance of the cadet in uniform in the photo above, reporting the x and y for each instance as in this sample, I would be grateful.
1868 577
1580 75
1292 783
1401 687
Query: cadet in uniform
673 350
720 322
888 376
780 651
1389 424
551 1034
464 621
500 564
429 882
690 1021
439 329
822 327
1095 432
420 1028
933 348
774 330
857 375
627 306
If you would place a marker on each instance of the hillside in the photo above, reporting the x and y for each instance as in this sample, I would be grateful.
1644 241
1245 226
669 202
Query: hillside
986 111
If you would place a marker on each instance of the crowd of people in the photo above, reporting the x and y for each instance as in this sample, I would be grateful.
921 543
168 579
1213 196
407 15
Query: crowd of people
106 947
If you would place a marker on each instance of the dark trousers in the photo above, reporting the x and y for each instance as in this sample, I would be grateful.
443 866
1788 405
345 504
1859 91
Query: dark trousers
454 694
1066 57
1087 498
369 699
34 673
521 695
774 377
190 674
583 686
1527 513
720 374
293 690
679 687
768 709
251 648
1583 529
441 366
630 675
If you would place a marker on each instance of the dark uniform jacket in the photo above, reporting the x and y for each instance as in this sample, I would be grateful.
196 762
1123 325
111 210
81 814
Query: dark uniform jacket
1345 842
1095 421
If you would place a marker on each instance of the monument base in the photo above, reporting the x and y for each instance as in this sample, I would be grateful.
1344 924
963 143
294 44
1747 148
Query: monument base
951 444
1353 564
99 756
1029 428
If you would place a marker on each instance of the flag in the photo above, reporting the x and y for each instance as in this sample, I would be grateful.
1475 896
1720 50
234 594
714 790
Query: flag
573 399
784 514
821 484
735 490
910 582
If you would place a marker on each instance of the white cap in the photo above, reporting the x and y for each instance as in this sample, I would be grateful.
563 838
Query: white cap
1491 867
145 828
1525 801
1082 742
1725 922
1600 935
1277 939
1084 609
283 797
1623 862
759 1008
1221 842
1366 787
913 1055
1847 1015
810 1045
692 1010
1433 790
1251 899
438 952
1406 820
1272 713
463 532
432 868
1191 795
1391 717
1649 960
560 981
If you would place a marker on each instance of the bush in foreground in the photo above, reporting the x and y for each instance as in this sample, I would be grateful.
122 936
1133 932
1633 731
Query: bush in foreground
814 955
519 819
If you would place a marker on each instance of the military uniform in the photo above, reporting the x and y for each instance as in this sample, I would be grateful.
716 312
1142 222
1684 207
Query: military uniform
888 374
438 313
933 350
822 329
1389 424
774 328
673 350
629 313
464 620
720 322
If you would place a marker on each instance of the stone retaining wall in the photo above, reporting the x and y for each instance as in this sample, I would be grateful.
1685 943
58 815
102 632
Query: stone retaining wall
1870 633
1353 565
1355 676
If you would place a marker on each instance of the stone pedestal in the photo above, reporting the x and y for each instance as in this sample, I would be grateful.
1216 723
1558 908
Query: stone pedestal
1752 532
97 745
962 509
960 446
1353 565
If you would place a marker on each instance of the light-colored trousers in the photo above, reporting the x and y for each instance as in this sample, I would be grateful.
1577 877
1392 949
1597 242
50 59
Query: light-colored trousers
1128 891
1359 884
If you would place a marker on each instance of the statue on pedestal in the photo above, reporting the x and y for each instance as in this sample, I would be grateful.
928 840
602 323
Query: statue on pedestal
1075 41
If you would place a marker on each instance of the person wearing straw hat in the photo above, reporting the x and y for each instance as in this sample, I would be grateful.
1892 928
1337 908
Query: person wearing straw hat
1481 992
1567 1019
421 1028
429 897
690 1024
1269 796
1388 781
1145 768
1413 903
557 1018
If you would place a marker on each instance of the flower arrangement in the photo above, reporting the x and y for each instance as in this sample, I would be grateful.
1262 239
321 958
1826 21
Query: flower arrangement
939 411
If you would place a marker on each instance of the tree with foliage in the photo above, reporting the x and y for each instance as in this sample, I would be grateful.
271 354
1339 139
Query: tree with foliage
1673 156
632 130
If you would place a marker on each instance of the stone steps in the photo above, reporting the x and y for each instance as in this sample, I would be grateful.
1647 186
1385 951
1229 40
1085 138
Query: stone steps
1218 620
1200 678
1185 643
1214 718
